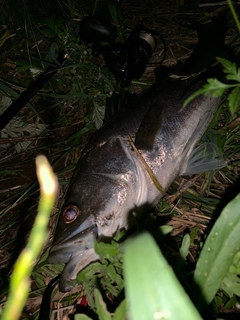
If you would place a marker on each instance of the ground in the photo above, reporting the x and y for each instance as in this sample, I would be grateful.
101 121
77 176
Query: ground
58 122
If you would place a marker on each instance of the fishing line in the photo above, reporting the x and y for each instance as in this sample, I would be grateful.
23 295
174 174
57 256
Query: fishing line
44 313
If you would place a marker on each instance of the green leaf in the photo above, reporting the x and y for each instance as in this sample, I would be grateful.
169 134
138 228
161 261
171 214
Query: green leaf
234 100
232 302
218 252
98 115
74 139
218 301
112 272
106 250
22 65
81 317
112 289
193 96
121 311
89 272
40 280
231 285
102 312
53 53
8 90
184 250
230 68
112 5
213 87
48 271
165 229
119 235
119 281
152 289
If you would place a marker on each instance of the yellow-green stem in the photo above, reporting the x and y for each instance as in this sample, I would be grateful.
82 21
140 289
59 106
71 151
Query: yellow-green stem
20 281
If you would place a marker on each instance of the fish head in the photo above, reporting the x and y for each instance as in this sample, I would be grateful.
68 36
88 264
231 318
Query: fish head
96 206
73 243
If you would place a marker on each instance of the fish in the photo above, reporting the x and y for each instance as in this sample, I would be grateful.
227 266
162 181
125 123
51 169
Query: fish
111 185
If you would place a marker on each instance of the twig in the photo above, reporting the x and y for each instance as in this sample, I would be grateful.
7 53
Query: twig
149 170
214 4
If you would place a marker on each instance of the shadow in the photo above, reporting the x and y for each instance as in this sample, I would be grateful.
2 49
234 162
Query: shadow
169 247
228 196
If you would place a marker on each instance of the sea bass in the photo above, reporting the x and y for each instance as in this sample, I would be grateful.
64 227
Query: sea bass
111 182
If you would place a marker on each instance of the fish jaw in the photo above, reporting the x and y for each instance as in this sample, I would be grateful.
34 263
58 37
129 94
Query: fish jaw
63 252
78 262
76 251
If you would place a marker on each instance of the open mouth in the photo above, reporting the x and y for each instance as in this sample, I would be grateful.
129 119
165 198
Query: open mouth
76 251
63 251
77 263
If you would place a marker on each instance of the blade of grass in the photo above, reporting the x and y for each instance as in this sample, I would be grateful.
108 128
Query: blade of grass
234 14
20 282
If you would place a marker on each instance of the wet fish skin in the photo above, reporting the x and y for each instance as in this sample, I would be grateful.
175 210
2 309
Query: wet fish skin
110 182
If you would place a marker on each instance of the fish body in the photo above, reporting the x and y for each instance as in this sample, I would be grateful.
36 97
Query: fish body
111 185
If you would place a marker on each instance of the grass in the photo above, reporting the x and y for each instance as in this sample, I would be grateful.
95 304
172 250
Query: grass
65 107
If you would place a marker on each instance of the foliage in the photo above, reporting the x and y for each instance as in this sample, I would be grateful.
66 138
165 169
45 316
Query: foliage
217 88
108 275
90 83
151 284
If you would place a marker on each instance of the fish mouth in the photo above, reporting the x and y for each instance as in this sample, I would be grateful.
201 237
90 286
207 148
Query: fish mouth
77 263
76 251
64 251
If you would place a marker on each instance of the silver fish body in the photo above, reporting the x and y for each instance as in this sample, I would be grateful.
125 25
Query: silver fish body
111 183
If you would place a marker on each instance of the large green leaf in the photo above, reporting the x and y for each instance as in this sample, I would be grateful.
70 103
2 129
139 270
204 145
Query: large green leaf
152 289
218 252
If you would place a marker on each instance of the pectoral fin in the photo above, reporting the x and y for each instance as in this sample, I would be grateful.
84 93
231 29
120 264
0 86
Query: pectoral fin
149 127
206 157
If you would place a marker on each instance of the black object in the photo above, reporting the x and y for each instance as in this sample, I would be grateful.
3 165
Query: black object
97 31
46 299
133 57
126 61
24 98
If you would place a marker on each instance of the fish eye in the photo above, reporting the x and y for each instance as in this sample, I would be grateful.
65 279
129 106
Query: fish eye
70 213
